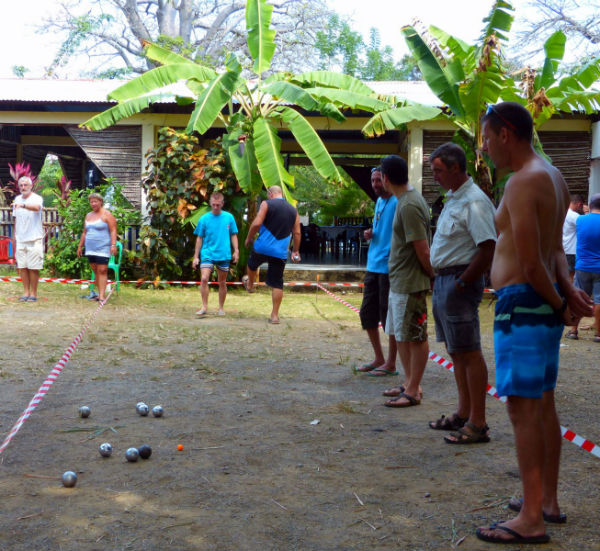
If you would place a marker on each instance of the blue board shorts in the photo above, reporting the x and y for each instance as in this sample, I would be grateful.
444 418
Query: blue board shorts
527 335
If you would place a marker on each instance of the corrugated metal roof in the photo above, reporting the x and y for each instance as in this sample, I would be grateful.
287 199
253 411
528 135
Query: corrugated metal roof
96 91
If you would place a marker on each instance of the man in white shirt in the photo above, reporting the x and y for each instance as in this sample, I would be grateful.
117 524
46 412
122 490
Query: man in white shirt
569 232
29 237
461 253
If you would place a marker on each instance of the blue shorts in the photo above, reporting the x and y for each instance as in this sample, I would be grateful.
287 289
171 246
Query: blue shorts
222 265
94 259
527 335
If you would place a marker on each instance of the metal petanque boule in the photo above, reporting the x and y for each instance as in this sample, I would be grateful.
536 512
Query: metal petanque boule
157 411
132 455
145 451
142 409
105 449
84 411
69 479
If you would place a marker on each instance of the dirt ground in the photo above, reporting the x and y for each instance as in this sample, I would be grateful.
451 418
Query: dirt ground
284 447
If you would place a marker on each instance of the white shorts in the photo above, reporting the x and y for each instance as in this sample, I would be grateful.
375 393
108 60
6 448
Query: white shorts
30 254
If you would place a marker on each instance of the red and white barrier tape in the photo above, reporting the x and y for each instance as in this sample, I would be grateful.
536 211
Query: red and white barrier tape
169 282
52 376
568 434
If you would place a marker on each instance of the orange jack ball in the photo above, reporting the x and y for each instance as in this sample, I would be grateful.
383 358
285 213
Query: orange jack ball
180 447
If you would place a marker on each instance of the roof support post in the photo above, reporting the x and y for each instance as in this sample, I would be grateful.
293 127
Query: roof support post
415 157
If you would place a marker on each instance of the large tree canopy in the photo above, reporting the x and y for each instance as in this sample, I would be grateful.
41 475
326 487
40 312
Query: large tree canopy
112 32
578 19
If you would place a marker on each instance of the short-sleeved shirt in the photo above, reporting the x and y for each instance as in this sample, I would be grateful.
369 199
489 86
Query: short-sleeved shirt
216 232
466 221
570 232
588 243
379 248
411 223
28 223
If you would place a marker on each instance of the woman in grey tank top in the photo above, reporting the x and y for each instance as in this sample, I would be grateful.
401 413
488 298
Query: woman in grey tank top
100 240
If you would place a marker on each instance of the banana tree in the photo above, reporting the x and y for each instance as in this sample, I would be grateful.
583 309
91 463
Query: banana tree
546 94
254 109
466 78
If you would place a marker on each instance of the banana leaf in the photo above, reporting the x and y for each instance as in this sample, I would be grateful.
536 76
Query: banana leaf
160 77
349 99
292 93
311 143
244 165
122 110
261 39
554 48
163 55
267 145
499 21
329 79
212 99
393 119
432 69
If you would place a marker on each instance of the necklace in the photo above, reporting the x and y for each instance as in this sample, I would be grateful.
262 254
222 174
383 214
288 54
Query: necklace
379 213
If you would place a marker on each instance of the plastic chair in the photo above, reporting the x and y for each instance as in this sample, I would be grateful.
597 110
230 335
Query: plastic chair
111 265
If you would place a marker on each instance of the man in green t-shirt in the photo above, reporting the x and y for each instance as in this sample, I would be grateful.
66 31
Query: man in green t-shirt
410 279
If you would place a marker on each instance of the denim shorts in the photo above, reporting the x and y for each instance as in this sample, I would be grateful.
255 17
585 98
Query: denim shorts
588 282
222 265
456 313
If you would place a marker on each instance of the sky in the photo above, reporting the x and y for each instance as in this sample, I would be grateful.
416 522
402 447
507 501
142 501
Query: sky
22 45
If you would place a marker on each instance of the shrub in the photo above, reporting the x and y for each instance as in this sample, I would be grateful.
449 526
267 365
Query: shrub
182 176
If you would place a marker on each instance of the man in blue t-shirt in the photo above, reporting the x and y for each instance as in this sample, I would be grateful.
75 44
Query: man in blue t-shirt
587 260
373 310
217 234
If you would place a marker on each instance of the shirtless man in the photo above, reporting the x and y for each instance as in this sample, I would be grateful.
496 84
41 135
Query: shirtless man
529 272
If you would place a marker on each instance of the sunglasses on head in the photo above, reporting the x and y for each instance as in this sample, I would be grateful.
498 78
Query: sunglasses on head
491 110
376 169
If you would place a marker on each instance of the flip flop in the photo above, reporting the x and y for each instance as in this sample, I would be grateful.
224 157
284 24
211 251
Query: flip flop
23 299
394 391
201 313
516 537
274 322
381 372
32 299
394 403
365 368
515 504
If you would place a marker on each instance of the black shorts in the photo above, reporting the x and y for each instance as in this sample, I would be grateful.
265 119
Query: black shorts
94 259
274 270
374 307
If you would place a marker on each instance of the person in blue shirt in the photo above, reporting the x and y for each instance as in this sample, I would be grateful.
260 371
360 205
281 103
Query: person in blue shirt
276 222
217 234
373 310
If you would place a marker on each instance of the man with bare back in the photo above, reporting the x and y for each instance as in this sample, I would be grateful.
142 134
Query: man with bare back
535 300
